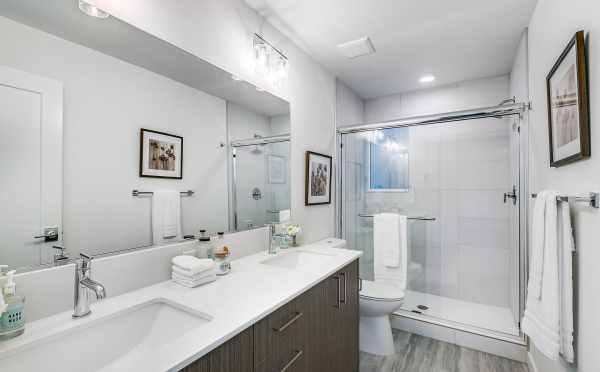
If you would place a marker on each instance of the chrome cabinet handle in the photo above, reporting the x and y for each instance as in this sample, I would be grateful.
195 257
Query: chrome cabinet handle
298 315
345 289
360 280
297 355
339 292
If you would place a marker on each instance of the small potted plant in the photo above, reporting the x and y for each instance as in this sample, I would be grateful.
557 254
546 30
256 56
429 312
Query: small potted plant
293 230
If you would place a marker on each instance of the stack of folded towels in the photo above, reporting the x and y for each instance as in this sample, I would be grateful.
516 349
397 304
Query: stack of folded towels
191 272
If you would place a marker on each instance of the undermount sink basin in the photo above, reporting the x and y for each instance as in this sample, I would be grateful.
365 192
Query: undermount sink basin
295 259
124 341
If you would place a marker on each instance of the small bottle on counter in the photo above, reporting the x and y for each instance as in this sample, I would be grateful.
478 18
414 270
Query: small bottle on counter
205 247
222 264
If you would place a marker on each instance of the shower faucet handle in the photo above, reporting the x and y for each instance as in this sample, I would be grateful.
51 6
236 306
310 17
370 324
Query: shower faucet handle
512 195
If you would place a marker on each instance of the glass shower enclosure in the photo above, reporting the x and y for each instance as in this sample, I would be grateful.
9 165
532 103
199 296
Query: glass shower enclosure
458 182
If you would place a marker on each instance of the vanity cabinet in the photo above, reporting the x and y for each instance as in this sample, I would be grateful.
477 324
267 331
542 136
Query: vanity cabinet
315 332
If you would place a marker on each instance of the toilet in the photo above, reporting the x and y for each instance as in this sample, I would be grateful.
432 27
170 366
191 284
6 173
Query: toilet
378 299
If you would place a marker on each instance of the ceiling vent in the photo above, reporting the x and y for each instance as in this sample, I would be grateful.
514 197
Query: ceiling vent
357 48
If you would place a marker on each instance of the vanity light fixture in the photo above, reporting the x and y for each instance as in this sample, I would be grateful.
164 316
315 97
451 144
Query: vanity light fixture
269 61
92 11
427 79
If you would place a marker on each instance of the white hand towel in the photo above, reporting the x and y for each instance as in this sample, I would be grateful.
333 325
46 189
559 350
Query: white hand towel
187 274
166 216
565 257
193 265
389 238
193 283
543 238
541 320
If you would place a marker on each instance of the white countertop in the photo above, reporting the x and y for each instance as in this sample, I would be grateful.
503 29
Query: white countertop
250 292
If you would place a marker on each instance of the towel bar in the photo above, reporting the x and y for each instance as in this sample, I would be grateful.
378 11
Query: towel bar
419 218
138 193
593 199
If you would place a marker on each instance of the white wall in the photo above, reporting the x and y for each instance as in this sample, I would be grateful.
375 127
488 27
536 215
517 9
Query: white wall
350 108
106 102
552 25
220 32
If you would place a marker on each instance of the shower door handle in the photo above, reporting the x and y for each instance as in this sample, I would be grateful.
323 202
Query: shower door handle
512 195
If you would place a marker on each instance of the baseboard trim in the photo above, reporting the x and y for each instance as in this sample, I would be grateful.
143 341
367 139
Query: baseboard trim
531 363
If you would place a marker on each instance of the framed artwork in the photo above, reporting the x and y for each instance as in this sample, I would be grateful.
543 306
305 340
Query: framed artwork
161 154
276 169
318 179
568 105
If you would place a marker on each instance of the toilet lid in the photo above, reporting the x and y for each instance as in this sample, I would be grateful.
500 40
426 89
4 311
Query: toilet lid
381 291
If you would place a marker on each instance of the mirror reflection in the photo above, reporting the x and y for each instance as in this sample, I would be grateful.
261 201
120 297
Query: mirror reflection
114 140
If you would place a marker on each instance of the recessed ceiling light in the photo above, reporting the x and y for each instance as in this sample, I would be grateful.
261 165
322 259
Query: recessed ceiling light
236 78
259 89
92 10
427 79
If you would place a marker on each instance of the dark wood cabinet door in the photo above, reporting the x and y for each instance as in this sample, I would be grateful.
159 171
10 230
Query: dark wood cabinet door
348 328
236 355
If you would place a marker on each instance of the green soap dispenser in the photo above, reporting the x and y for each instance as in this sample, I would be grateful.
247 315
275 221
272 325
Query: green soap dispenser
12 321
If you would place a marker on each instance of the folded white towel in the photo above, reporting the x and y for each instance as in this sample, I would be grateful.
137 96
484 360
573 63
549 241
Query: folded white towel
193 265
193 283
166 216
187 275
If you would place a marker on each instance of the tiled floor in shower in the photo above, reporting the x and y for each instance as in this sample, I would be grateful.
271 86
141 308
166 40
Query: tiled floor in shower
416 353
495 318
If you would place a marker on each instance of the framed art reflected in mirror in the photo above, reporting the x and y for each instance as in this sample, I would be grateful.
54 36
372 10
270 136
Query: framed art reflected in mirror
568 105
161 154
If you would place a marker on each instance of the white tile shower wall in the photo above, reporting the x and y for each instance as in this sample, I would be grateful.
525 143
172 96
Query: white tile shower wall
50 291
103 114
458 173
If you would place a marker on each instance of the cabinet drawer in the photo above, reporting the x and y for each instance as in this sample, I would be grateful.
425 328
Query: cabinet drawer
280 339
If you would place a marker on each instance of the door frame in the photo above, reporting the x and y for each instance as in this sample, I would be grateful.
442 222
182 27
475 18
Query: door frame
51 159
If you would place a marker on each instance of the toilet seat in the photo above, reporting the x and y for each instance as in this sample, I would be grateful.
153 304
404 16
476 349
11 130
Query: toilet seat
381 291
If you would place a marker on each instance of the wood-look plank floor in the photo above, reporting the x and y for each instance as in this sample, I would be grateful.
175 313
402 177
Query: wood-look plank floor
416 353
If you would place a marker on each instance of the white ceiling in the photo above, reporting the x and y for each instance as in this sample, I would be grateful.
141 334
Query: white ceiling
455 40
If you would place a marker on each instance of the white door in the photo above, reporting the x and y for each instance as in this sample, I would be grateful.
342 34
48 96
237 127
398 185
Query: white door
31 166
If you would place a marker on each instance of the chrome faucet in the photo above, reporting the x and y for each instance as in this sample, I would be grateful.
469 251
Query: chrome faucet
272 247
83 286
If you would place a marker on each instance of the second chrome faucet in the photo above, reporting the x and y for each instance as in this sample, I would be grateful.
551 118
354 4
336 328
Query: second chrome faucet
84 286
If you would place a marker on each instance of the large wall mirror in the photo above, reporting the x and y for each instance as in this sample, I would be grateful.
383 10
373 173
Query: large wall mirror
98 118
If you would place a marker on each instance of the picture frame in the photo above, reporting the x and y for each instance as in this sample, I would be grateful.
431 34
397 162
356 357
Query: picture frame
318 179
277 169
568 105
161 155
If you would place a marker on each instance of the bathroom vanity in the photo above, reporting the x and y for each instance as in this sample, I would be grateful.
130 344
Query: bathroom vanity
297 308
316 331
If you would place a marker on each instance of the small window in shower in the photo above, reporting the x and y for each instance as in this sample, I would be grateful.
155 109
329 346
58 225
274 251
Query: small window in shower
388 160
